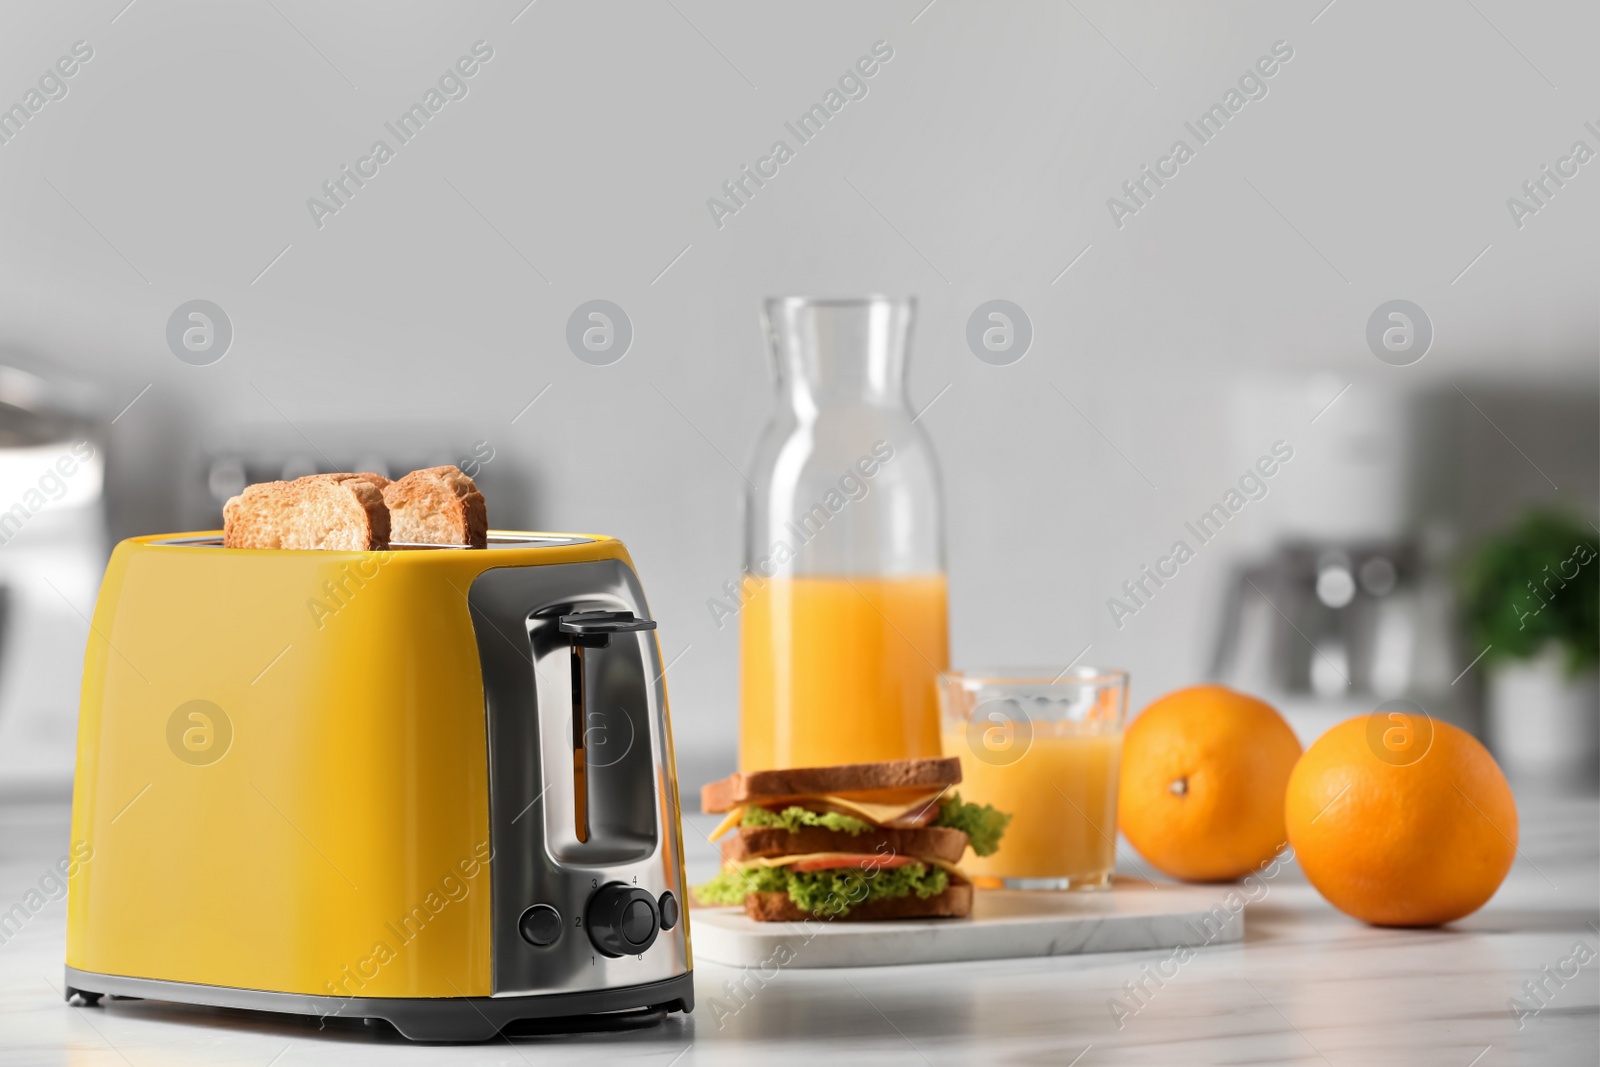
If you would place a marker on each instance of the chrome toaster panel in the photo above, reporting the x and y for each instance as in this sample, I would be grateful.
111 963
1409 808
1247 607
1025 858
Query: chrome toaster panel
632 818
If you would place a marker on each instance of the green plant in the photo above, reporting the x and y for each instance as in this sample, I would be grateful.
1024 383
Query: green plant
1537 584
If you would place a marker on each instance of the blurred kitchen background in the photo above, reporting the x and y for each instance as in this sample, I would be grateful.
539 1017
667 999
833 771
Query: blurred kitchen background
426 320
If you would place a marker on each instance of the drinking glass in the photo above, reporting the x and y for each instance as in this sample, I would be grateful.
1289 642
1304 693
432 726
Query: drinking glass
1044 746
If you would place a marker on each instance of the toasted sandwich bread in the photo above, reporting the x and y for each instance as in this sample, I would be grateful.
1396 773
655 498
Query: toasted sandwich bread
343 512
954 903
437 506
935 842
767 787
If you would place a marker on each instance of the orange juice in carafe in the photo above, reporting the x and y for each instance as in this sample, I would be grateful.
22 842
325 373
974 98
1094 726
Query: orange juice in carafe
842 613
841 670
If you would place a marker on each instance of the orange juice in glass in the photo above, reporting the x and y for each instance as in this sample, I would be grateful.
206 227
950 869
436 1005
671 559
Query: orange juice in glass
1045 747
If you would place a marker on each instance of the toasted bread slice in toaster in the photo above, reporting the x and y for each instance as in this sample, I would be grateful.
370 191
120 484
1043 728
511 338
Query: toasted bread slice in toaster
368 476
437 506
343 512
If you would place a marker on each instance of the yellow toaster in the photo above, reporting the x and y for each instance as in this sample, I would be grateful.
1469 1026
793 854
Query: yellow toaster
427 785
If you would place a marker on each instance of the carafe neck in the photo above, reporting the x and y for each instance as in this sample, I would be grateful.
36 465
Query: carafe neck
840 352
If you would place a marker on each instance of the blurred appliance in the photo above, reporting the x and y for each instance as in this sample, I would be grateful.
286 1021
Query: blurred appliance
1329 625
1340 604
449 803
52 548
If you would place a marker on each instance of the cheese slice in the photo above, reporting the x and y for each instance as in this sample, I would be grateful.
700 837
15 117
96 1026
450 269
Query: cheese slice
918 811
947 865
915 812
733 819
850 858
901 815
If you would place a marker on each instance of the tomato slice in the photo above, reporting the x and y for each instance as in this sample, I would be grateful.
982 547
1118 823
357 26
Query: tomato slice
865 861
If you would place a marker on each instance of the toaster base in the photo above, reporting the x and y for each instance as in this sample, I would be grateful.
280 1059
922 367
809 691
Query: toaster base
444 1019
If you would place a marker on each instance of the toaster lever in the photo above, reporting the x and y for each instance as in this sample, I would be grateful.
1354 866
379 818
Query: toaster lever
593 629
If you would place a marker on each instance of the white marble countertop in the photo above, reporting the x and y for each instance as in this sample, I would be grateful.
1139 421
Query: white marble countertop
1307 985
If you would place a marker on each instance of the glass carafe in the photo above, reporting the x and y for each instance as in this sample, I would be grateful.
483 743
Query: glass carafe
843 614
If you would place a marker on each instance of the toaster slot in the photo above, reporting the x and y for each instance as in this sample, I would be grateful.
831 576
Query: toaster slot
580 758
614 719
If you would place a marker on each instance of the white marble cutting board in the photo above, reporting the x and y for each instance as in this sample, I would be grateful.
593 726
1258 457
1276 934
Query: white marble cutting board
1005 924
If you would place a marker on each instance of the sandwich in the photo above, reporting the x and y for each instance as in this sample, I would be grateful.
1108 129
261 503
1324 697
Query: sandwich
860 841
358 512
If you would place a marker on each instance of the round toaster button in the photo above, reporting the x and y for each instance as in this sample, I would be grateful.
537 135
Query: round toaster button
540 925
669 910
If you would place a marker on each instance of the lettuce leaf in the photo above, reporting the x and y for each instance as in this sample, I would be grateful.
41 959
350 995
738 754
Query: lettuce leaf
733 884
983 825
794 817
829 893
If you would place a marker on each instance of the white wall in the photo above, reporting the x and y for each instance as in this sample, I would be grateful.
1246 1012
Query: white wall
1378 166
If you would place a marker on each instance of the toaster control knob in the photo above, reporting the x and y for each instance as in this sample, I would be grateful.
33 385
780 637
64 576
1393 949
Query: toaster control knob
622 919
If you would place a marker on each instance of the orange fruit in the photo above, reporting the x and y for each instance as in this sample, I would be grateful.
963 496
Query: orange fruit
1400 820
1203 776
